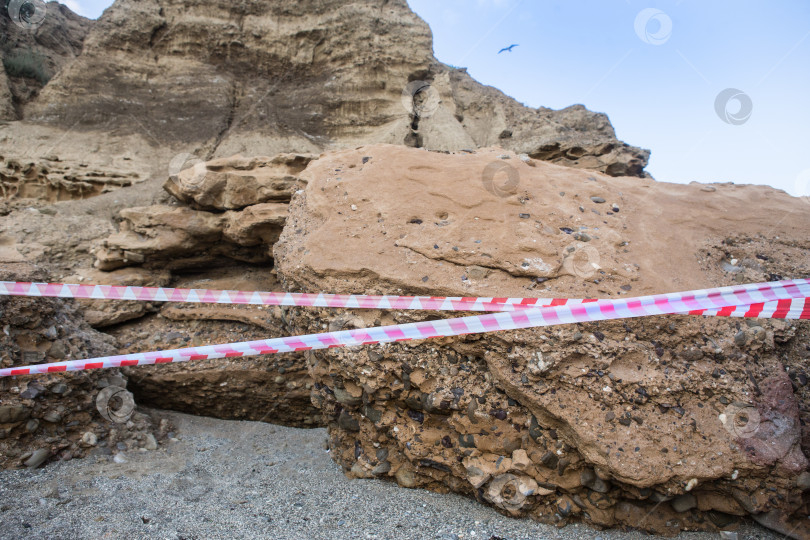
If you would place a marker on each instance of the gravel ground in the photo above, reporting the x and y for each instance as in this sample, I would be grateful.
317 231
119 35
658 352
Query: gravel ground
226 479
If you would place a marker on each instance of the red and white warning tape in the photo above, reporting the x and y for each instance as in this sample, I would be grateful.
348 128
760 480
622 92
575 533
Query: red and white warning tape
726 296
788 299
353 301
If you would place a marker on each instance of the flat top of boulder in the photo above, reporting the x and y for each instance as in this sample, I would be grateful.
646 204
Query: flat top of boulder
389 219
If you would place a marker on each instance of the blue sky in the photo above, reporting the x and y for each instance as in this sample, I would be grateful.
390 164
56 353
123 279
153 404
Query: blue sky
656 68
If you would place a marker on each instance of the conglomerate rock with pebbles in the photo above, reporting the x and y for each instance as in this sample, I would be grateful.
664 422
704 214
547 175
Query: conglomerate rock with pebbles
62 416
663 423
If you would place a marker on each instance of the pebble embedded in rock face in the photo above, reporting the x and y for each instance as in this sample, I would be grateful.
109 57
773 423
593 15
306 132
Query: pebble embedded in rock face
52 416
803 481
37 458
89 439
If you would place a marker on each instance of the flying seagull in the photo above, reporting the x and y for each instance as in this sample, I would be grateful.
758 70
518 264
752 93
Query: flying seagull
509 48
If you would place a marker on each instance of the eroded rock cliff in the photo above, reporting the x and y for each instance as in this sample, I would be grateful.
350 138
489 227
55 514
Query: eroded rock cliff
160 78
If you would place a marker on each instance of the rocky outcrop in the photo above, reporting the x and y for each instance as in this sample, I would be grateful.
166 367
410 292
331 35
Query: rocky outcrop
236 182
163 78
180 237
664 424
67 415
64 236
33 54
241 207
222 240
574 136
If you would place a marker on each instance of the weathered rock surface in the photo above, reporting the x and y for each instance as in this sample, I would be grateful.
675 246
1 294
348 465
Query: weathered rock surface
167 78
236 182
272 388
31 167
103 313
664 423
179 237
59 416
237 210
52 180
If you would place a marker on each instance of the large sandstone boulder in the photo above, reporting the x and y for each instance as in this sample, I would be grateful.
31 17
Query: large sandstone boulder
664 423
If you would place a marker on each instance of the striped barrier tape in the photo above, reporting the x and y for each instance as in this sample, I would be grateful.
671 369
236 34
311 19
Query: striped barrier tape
723 296
784 299
352 301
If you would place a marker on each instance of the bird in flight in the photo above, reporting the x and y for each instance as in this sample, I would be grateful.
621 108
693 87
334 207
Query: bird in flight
509 48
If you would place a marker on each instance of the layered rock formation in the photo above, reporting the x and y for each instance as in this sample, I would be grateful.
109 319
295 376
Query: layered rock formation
52 180
273 388
31 164
162 245
158 78
664 423
241 209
